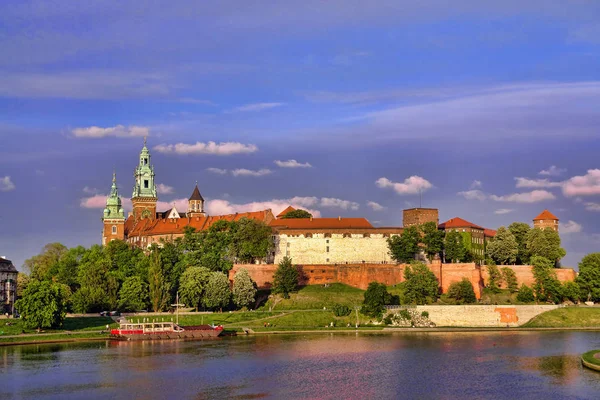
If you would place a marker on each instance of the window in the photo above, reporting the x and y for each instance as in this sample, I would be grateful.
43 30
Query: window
145 161
287 244
327 241
308 235
366 235
328 235
346 235
328 260
145 183
386 235
327 249
114 229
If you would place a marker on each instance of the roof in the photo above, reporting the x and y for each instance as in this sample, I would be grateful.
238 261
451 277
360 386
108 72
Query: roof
545 215
7 266
287 210
489 233
321 223
457 222
196 194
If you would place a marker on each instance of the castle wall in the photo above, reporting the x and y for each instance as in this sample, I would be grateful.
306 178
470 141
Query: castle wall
524 274
492 316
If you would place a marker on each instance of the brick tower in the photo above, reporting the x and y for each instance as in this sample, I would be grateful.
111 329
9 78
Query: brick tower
114 216
546 220
144 198
196 204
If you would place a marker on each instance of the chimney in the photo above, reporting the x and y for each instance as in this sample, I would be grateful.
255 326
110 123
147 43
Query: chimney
311 218
339 218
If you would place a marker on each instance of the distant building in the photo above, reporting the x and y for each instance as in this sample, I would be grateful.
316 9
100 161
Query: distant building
419 216
8 286
546 220
473 235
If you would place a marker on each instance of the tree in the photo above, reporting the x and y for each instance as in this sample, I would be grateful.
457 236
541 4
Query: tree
41 265
462 291
433 239
22 283
404 247
285 278
157 282
503 249
589 277
251 240
421 285
545 243
520 230
375 298
44 304
525 294
495 277
97 289
296 214
454 247
217 293
546 286
192 285
510 278
214 252
133 295
244 289
571 291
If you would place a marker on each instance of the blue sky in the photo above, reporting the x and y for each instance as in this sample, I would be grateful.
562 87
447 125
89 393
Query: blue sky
491 110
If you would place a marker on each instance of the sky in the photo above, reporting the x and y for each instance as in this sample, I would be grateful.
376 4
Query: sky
490 110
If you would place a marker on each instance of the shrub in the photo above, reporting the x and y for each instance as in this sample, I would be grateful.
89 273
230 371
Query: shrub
405 314
421 285
388 319
462 291
340 310
285 278
571 291
525 294
425 314
376 297
495 277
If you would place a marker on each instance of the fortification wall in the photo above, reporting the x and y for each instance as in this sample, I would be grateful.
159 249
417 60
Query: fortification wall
483 316
524 274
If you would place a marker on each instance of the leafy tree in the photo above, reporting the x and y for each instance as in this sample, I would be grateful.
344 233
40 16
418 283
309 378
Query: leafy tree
244 289
341 310
545 243
217 293
133 295
43 305
454 247
41 265
193 284
404 247
503 249
251 240
375 298
433 239
297 214
157 282
285 278
462 291
589 277
570 291
22 283
520 230
421 285
525 294
171 258
495 277
98 290
510 278
546 286
214 252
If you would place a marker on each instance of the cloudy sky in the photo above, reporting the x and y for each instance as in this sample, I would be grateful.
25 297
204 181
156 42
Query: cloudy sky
344 107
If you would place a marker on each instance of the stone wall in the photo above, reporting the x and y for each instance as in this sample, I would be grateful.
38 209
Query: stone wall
483 316
525 275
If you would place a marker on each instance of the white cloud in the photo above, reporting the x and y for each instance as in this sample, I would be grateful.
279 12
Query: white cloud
219 171
570 227
476 184
536 183
473 195
412 185
292 164
6 185
553 171
375 206
161 188
528 197
223 149
89 190
99 201
592 206
220 207
503 211
339 203
96 132
258 106
180 204
586 185
249 172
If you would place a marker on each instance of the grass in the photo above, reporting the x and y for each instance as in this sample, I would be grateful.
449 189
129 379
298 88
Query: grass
503 297
567 317
16 327
314 297
50 338
589 358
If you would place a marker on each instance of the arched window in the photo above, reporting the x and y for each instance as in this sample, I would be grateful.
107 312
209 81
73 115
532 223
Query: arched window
114 229
366 235
347 235
386 235
328 235
308 235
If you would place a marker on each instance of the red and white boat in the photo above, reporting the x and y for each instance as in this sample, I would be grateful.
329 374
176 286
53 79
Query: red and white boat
163 331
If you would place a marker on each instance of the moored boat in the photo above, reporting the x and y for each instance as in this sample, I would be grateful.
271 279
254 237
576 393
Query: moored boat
163 331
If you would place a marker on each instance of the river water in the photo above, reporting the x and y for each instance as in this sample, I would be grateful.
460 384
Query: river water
482 365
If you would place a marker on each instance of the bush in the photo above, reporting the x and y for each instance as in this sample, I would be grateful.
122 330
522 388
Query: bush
421 285
340 310
425 314
525 294
462 291
285 278
571 291
388 319
511 279
495 277
376 297
405 314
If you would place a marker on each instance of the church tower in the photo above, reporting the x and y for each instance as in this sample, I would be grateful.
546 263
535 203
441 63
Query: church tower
114 216
143 199
196 204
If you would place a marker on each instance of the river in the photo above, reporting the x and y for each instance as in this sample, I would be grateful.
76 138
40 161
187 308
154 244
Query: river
481 365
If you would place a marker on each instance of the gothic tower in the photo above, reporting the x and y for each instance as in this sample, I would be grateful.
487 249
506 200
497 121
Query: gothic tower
143 199
114 216
196 204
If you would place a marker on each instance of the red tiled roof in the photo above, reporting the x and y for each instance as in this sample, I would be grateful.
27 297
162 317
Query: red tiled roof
321 223
489 233
545 215
458 223
287 210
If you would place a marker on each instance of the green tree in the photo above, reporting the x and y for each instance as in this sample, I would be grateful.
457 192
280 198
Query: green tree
503 249
285 278
495 277
251 240
589 277
546 286
525 294
421 285
403 248
375 299
462 291
192 285
133 295
215 243
433 239
510 278
22 283
98 290
43 305
296 214
520 230
217 293
42 265
545 243
454 247
571 291
244 289
158 286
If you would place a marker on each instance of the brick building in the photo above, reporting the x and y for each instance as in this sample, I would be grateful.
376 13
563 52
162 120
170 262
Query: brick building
8 286
546 220
419 216
473 235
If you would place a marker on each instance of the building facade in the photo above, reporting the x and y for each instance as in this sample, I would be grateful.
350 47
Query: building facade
473 235
8 286
419 216
546 220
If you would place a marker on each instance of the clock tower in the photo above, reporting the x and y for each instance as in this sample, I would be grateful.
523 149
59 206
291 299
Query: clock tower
144 197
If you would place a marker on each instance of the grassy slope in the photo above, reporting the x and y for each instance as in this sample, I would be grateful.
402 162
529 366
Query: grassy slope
569 317
315 297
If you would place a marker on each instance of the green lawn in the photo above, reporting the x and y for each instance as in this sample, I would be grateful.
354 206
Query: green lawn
15 326
589 357
314 297
568 317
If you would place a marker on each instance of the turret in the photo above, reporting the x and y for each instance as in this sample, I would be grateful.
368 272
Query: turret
113 216
196 204
144 195
546 220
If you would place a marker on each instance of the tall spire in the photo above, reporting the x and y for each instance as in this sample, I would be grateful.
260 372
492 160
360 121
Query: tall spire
114 207
144 176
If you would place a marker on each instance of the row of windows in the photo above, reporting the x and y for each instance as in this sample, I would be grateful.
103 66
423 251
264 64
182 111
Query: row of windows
344 235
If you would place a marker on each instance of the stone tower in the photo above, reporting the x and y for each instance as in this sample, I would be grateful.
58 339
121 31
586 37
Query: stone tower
546 220
144 198
196 204
114 216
